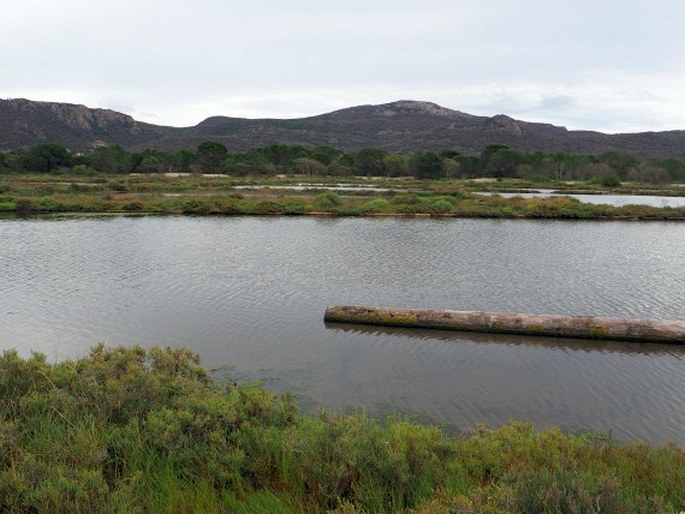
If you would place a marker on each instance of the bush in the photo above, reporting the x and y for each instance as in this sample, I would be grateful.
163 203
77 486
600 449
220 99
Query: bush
293 207
327 200
267 207
81 188
119 187
134 430
82 169
611 181
438 204
133 205
24 206
196 206
49 204
376 206
406 199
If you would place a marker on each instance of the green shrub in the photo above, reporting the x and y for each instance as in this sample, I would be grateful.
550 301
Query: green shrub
611 181
49 204
196 206
135 430
293 207
118 186
82 169
406 199
440 206
327 200
267 207
376 206
133 205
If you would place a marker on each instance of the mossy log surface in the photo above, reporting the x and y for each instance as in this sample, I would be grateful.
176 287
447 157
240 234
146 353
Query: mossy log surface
585 327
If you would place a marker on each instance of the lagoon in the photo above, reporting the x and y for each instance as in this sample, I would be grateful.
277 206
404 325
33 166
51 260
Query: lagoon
249 293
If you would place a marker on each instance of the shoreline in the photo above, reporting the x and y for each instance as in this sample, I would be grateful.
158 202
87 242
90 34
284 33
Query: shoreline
11 214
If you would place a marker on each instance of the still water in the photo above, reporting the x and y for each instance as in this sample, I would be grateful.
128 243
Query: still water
605 199
250 293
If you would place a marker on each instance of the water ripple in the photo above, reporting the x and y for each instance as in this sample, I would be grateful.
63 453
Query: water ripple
250 292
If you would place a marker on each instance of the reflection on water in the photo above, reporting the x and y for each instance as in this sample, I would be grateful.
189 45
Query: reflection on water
251 293
327 187
555 343
633 390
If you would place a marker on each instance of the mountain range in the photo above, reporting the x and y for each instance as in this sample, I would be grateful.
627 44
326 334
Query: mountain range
401 126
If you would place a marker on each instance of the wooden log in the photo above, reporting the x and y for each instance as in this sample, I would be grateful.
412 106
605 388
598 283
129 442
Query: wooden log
584 327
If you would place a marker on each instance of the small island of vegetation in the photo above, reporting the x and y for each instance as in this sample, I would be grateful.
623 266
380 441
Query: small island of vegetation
294 180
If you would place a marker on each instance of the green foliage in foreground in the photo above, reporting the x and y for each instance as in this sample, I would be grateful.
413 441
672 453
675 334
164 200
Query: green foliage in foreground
129 430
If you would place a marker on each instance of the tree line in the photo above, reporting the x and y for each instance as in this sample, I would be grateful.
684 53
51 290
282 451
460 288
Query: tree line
495 160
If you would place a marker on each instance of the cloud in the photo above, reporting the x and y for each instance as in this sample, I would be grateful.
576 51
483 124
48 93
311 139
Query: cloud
556 103
604 65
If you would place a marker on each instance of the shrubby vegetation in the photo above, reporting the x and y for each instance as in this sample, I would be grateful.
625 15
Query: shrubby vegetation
610 168
111 179
25 194
130 430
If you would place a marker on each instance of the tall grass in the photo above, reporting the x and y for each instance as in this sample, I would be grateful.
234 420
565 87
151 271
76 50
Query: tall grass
129 430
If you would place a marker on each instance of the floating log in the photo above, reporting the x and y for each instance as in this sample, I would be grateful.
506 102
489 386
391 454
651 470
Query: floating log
583 327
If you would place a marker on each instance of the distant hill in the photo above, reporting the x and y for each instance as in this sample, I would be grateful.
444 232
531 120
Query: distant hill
25 122
402 126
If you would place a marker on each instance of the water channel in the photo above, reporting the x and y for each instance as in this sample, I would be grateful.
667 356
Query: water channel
250 293
604 199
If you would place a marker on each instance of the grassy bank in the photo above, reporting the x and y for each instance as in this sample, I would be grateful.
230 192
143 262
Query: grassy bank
128 430
32 194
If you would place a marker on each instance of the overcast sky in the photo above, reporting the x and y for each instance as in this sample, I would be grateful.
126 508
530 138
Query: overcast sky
610 65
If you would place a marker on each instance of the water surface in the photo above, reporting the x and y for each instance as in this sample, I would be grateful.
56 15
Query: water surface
605 199
250 293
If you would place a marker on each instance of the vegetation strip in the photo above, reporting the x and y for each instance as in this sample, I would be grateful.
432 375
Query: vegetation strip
133 430
220 196
586 327
609 168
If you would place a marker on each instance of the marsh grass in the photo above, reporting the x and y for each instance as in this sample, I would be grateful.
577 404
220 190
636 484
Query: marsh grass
130 430
216 196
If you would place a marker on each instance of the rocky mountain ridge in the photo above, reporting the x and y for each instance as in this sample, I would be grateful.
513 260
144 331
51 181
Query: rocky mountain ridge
401 126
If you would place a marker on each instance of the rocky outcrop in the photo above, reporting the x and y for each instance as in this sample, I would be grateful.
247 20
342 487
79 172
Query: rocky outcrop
410 107
25 122
506 125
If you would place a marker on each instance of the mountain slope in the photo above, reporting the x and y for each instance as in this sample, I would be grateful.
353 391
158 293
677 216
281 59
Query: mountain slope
25 122
402 126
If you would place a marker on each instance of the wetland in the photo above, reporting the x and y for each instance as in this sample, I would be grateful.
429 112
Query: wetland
250 293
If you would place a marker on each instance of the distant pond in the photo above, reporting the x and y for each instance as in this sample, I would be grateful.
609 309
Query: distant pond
607 199
250 293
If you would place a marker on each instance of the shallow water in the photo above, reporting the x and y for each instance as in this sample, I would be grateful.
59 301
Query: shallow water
327 187
250 293
609 199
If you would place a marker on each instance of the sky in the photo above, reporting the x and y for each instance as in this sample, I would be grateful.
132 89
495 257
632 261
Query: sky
609 65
